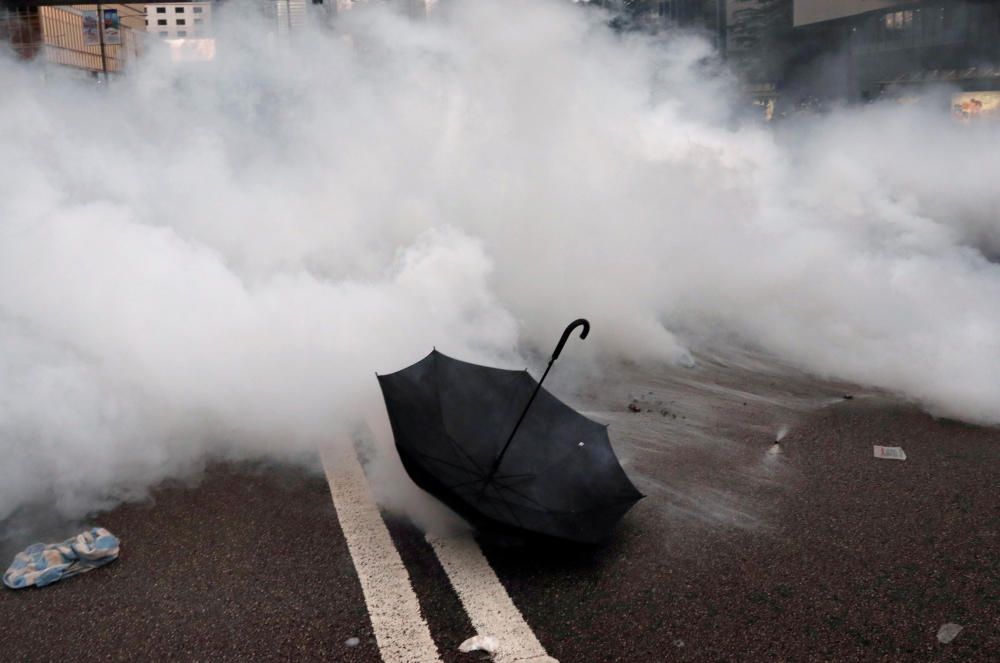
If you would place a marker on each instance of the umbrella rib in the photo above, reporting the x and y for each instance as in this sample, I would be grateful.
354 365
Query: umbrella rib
459 448
447 462
467 483
518 477
510 510
524 497
444 429
497 498
510 400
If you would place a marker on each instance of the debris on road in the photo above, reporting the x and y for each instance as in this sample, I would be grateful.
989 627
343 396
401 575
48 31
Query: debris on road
891 453
42 564
948 632
486 643
352 642
634 407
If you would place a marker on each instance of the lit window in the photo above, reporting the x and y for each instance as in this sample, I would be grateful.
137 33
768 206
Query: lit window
896 24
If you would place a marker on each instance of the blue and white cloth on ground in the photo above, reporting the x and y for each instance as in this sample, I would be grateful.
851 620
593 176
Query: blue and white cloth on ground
43 564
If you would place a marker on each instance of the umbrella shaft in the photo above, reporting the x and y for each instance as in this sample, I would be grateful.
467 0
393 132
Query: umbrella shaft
499 458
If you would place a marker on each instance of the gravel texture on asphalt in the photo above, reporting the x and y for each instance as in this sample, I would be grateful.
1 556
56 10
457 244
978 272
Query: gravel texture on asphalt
819 552
248 565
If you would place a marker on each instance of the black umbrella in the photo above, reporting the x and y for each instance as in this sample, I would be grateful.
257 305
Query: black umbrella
504 453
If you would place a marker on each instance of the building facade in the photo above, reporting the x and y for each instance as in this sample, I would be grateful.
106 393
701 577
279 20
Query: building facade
797 53
900 48
817 11
179 20
58 36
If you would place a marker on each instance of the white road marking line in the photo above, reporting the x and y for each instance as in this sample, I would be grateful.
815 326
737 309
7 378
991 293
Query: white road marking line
487 603
400 629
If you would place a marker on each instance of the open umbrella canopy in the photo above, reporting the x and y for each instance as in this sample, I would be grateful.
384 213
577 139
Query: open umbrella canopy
504 453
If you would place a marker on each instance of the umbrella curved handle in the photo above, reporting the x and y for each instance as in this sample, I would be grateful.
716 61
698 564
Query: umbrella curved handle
581 322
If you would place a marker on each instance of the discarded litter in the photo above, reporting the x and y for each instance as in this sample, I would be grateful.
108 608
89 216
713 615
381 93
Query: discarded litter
486 643
42 564
352 642
891 453
948 632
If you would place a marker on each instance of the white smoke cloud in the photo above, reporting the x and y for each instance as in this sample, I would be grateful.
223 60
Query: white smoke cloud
215 258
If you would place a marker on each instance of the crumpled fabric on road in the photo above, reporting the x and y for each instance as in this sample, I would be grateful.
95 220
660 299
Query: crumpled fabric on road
42 564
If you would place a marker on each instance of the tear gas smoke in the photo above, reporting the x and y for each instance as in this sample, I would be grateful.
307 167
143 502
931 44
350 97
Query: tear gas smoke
215 258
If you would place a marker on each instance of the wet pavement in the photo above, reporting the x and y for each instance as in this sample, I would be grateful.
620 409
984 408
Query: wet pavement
863 559
249 565
818 552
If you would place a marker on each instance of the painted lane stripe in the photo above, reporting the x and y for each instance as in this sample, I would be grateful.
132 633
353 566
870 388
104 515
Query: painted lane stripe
489 606
400 630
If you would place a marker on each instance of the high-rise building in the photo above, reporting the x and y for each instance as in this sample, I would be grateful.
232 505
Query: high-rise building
179 20
899 47
707 15
413 7
810 51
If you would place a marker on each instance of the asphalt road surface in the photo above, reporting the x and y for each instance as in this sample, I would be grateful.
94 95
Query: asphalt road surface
813 550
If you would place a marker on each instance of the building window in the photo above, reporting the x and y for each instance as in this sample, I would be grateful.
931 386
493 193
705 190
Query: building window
161 10
196 10
147 22
182 33
161 21
181 21
178 10
199 21
164 34
898 25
